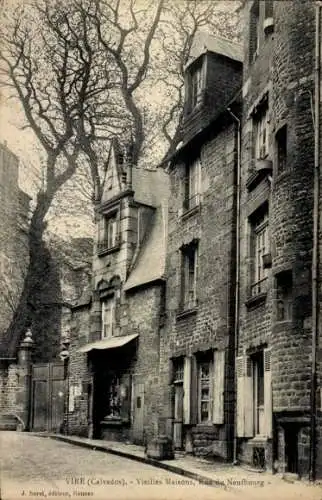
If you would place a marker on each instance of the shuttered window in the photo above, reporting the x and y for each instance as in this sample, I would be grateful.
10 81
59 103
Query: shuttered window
254 394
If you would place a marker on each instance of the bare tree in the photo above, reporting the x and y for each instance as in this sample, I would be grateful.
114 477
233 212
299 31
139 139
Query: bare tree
83 71
56 76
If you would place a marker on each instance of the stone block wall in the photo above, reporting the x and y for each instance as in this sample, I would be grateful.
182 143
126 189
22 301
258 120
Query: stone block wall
282 70
210 325
144 308
80 376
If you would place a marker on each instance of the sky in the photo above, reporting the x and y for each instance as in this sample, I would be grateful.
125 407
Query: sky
23 143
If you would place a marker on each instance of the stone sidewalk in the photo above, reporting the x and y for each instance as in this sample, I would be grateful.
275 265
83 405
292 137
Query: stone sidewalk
236 479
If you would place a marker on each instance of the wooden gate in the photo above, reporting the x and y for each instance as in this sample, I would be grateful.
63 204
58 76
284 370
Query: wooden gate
48 396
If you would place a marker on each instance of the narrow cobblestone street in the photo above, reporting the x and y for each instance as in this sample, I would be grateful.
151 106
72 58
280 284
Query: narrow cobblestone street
36 467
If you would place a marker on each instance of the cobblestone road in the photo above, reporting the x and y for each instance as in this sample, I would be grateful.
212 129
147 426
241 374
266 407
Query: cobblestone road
35 467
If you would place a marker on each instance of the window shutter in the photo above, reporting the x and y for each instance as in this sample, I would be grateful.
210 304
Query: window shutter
194 391
125 397
218 387
268 410
196 271
187 390
240 396
248 398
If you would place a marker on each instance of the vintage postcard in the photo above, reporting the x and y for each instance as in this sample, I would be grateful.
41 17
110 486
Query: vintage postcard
160 249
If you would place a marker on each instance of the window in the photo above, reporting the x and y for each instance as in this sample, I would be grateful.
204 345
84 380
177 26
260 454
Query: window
261 128
281 148
111 230
108 313
254 31
204 391
254 394
258 392
178 371
114 400
259 244
192 184
108 232
196 85
189 276
284 296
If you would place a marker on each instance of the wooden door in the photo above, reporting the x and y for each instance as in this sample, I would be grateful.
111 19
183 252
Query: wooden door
178 416
138 413
48 397
57 394
40 405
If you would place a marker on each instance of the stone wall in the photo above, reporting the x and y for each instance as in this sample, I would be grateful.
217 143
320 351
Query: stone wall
210 325
282 70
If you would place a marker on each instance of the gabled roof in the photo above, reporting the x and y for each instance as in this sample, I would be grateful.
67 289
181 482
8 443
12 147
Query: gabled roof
203 42
150 261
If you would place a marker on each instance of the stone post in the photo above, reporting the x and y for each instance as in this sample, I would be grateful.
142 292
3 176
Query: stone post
25 372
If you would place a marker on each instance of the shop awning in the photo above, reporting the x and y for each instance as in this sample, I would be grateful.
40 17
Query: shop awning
111 343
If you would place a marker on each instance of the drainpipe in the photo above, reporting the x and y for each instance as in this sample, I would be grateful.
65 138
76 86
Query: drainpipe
315 258
236 322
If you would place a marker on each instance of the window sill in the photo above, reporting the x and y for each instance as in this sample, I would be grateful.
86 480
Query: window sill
258 439
107 251
190 212
256 300
113 422
183 313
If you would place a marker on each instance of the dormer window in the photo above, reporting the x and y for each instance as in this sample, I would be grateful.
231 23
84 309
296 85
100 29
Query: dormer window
196 84
108 237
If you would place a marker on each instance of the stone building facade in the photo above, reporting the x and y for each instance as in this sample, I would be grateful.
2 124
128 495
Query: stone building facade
116 329
198 349
274 349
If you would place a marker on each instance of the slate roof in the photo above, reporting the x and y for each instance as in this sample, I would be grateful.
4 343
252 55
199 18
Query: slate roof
203 42
150 262
150 186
